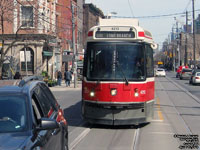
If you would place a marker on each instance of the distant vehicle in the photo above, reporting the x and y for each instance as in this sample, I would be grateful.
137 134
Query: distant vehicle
160 72
178 71
195 77
185 73
30 117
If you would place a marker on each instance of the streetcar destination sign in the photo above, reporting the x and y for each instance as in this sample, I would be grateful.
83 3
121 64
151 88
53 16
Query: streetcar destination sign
111 34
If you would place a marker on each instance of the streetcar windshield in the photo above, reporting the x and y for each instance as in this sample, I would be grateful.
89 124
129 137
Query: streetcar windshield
115 61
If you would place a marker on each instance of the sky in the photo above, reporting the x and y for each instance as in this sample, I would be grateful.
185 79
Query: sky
160 25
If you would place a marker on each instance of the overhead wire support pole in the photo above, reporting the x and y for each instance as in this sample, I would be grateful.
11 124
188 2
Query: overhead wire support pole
194 41
74 47
186 40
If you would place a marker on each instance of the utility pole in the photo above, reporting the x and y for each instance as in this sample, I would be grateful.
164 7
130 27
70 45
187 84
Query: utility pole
74 47
186 41
178 47
194 42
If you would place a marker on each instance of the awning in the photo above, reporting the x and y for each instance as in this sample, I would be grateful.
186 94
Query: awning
47 53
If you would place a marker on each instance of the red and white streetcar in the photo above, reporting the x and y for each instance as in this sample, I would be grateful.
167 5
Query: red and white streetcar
118 75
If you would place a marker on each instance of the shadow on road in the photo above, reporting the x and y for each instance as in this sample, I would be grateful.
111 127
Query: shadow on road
74 118
121 127
73 114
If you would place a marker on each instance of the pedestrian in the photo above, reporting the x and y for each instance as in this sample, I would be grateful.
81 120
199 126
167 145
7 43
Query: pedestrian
17 75
68 77
59 78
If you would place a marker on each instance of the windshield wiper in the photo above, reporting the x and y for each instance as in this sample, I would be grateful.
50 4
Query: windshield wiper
120 68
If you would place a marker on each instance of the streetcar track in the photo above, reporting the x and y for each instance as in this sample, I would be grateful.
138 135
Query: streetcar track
185 90
173 105
136 138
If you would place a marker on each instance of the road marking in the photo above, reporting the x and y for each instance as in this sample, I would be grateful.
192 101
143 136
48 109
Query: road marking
136 138
159 110
79 138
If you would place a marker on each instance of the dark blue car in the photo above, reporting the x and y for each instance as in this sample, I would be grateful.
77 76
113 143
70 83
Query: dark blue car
30 117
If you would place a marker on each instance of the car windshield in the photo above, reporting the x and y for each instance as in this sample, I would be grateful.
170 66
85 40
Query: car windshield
187 70
115 61
198 74
160 70
12 113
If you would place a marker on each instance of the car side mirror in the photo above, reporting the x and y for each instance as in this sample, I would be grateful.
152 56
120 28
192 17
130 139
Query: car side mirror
47 124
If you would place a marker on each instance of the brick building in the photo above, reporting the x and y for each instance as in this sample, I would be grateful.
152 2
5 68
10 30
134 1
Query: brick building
29 29
90 18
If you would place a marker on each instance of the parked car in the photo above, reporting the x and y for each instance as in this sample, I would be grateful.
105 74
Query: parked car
185 73
30 117
195 77
160 72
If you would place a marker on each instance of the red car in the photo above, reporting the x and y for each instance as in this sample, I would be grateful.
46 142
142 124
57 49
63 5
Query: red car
179 70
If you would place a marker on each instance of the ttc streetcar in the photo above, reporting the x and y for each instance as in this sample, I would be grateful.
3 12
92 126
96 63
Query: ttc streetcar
118 74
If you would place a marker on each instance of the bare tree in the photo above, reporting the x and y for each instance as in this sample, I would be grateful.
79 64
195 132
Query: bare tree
6 18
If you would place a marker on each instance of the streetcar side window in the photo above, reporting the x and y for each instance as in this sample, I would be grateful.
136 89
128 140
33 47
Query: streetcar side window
149 61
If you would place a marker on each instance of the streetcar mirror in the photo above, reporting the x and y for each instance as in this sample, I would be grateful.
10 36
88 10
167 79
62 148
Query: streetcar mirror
154 46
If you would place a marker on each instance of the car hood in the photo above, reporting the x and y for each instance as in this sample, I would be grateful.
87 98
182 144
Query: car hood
12 141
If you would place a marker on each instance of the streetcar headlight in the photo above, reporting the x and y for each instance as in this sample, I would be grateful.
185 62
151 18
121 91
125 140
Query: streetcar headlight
113 92
136 94
92 94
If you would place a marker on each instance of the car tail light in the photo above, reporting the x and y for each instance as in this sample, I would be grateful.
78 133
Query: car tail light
50 112
90 33
197 77
60 117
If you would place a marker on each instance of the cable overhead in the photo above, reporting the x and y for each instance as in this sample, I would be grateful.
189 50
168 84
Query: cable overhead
187 6
130 8
156 16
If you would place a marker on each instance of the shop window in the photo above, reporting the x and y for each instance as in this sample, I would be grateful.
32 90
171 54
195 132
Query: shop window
29 59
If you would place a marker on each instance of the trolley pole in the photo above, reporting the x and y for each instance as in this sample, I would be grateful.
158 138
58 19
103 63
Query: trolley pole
194 41
74 47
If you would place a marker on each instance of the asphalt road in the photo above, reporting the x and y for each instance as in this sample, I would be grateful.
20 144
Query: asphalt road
176 114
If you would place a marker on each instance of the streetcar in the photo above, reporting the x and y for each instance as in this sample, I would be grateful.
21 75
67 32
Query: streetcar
118 74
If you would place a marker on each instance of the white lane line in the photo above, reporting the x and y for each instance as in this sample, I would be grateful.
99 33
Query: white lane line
136 138
79 138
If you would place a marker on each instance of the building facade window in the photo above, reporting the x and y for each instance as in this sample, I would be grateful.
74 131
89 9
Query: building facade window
27 16
29 59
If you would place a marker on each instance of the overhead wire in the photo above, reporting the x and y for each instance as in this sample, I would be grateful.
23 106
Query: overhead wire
156 16
130 8
187 6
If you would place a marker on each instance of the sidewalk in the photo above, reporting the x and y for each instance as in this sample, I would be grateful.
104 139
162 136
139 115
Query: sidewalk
64 88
